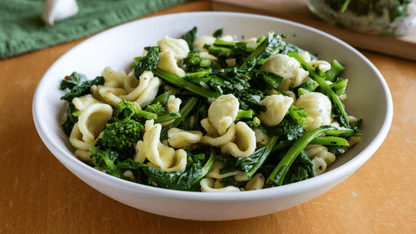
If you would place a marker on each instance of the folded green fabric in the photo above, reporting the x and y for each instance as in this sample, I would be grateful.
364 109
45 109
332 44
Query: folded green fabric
22 30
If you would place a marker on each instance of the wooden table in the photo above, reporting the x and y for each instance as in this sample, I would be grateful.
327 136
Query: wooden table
39 195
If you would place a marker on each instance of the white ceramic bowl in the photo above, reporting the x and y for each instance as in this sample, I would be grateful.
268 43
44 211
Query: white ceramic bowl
368 98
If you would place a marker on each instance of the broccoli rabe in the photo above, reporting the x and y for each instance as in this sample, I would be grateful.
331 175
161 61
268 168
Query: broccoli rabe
121 136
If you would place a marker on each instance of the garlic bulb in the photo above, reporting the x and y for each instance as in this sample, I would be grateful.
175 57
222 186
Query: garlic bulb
54 10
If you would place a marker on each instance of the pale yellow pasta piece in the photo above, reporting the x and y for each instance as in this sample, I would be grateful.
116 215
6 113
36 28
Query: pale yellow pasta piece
215 173
168 63
143 83
277 107
180 161
149 93
178 46
203 40
320 151
261 137
288 68
139 156
179 138
244 143
207 185
153 150
222 112
111 95
305 56
159 155
255 183
81 103
131 82
75 138
206 55
318 106
172 105
321 64
113 79
93 119
130 175
208 128
84 155
290 94
319 166
221 140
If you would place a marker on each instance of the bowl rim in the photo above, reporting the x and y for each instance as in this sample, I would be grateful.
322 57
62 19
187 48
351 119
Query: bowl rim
70 161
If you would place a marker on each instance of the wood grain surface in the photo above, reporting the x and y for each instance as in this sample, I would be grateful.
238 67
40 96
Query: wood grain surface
39 195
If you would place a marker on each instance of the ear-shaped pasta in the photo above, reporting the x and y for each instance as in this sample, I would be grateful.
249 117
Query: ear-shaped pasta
305 56
207 185
131 82
93 119
178 46
179 138
206 55
84 155
113 79
180 160
209 128
321 64
288 68
167 62
319 166
111 95
75 138
277 107
318 106
203 40
215 173
139 157
159 155
149 93
255 183
244 143
221 140
222 112
261 137
173 105
145 78
84 101
320 151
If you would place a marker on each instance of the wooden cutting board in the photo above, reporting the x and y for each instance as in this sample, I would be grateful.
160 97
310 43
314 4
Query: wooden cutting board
297 11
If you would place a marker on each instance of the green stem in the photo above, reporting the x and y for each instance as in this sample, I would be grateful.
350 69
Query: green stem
245 114
168 117
183 113
267 149
325 88
329 141
178 81
206 168
278 175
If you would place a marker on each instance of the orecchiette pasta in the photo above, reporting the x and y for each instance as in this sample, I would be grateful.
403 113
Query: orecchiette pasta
215 173
141 86
220 140
168 63
222 112
172 106
178 46
179 138
149 93
113 79
207 185
93 119
76 139
277 107
288 68
255 183
158 154
318 106
244 143
81 103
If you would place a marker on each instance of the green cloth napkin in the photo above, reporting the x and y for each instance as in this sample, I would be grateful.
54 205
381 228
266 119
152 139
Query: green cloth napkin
22 30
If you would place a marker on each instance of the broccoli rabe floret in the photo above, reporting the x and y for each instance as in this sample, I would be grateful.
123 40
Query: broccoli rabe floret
121 136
